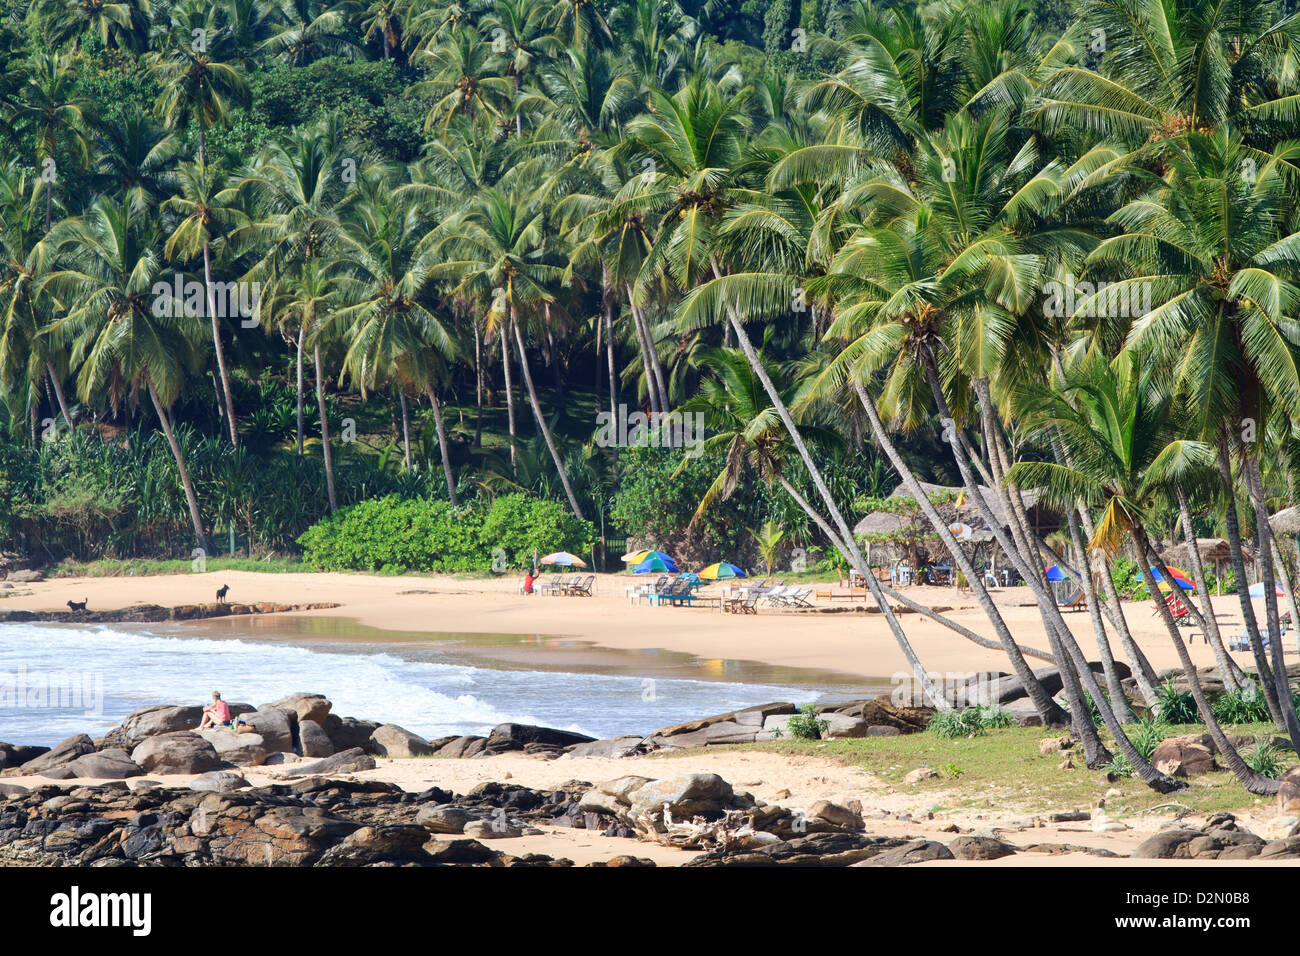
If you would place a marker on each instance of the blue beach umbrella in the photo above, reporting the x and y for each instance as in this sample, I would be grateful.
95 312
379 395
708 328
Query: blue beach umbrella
1257 590
1055 574
657 562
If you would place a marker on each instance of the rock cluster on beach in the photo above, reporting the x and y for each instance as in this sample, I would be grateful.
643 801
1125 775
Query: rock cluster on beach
153 613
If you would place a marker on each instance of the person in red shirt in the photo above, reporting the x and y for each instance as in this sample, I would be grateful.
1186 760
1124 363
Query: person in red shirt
529 578
216 714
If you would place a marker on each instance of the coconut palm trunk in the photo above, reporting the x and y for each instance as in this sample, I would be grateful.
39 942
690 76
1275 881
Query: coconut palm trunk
302 331
1229 672
537 414
1264 537
903 599
510 393
1049 710
324 430
855 554
442 447
1253 782
1058 633
191 499
217 347
1232 527
648 358
58 393
406 427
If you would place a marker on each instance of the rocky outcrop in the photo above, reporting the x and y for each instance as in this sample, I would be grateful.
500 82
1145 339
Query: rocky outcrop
390 740
155 613
1222 838
179 752
1188 756
242 750
60 754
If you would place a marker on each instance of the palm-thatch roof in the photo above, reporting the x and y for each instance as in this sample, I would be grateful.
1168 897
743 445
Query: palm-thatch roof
886 523
1213 551
1286 521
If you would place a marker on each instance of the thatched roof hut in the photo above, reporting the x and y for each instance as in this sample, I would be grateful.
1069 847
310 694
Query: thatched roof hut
884 523
1286 521
1214 552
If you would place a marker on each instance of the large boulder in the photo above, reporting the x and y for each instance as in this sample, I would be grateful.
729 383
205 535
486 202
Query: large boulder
180 752
443 819
111 764
462 747
883 712
685 795
313 741
305 706
838 725
506 737
243 750
275 728
282 836
219 781
349 761
26 576
160 719
60 754
348 732
1288 794
390 740
1187 756
15 755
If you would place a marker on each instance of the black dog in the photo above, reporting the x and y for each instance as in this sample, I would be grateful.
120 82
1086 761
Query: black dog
221 593
78 605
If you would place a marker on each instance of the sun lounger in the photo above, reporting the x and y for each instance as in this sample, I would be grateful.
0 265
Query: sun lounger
552 588
748 605
1075 602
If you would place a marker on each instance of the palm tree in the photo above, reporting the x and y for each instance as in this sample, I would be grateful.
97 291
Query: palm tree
1125 454
208 216
461 79
124 24
520 38
386 266
137 157
310 29
197 71
47 106
494 251
125 332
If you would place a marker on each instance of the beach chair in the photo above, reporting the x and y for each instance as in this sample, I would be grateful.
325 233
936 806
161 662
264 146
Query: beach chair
583 588
1076 602
793 597
748 606
1242 641
776 596
1182 616
552 588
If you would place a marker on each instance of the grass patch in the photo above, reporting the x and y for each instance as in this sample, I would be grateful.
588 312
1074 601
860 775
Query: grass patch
1002 770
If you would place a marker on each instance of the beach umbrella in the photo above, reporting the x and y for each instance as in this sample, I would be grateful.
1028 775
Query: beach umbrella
656 562
1054 574
1180 578
720 570
564 558
1257 590
635 557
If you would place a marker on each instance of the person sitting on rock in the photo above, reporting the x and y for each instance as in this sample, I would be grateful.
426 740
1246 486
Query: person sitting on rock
216 714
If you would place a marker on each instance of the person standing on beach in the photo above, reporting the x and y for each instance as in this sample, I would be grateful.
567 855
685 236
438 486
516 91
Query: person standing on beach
216 714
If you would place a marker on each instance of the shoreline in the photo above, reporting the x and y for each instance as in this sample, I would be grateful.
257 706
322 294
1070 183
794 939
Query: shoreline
850 643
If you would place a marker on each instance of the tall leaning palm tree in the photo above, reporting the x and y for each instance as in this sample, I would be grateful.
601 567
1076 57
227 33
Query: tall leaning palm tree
126 330
1125 455
47 105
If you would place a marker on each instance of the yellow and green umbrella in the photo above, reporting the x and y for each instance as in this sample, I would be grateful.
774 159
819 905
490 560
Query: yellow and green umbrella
722 569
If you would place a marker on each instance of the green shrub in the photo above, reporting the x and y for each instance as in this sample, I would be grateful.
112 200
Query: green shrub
1146 734
1241 706
970 722
1174 706
422 534
806 725
1264 758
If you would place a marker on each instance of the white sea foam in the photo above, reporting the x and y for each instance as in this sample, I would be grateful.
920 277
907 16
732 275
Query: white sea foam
427 696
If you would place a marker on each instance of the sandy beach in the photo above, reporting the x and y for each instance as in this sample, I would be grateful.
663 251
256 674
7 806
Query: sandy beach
838 636
847 641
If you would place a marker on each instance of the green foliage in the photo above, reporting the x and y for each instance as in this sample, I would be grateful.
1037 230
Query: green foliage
1265 758
968 722
806 725
1240 706
1174 706
392 534
1146 734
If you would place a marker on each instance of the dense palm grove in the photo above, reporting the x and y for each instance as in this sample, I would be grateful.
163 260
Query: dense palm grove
1001 245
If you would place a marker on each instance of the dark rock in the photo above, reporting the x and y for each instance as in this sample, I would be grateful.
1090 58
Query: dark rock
62 753
348 761
179 752
313 741
980 848
390 740
106 764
